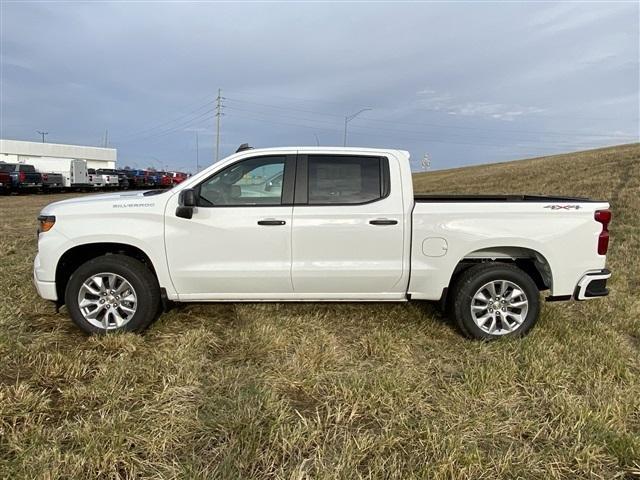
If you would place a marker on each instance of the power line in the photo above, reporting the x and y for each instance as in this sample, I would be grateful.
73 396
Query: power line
342 104
168 122
278 107
298 99
434 125
188 123
395 133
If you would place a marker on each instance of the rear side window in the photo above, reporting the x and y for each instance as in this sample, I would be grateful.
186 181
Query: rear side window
335 179
27 168
7 167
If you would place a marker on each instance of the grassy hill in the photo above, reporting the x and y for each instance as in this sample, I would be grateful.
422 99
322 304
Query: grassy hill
333 390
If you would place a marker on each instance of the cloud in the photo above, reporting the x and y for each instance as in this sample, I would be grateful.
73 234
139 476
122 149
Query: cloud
570 16
488 75
445 102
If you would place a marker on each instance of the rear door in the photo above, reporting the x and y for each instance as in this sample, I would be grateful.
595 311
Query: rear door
348 232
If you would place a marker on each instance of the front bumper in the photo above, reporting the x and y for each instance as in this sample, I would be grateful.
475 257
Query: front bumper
46 290
592 285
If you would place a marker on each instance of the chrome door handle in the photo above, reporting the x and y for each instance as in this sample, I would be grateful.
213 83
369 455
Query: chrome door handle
271 222
383 221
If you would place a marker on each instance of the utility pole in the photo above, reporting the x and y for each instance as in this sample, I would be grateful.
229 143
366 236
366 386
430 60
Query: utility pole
197 154
43 134
317 139
105 143
347 119
219 114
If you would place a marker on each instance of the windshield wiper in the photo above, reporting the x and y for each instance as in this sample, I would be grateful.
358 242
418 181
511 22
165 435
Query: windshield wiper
148 193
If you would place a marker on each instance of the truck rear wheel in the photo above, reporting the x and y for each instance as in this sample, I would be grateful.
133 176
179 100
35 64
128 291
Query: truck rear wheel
493 300
112 293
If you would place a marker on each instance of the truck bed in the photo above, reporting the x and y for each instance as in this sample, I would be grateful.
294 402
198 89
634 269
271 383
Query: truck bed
424 198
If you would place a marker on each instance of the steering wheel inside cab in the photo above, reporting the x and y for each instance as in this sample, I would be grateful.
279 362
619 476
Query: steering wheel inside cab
221 189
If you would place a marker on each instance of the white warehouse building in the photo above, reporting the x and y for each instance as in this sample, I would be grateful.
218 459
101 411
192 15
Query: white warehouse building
16 151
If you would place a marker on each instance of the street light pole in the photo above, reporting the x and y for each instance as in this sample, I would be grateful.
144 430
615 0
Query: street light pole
197 154
347 119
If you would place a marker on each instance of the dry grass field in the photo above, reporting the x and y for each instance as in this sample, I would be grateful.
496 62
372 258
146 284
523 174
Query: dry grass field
297 391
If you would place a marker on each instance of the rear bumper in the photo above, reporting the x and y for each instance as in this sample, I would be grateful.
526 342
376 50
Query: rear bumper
592 285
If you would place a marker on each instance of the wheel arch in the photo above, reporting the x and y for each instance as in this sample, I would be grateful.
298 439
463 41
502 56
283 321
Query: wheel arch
531 261
79 254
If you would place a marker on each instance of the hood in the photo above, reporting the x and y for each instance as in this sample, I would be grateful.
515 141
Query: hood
87 201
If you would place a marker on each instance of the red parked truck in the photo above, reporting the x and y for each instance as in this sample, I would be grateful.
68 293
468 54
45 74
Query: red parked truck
178 177
5 179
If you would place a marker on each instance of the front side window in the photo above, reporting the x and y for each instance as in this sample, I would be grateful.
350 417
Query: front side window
257 181
344 179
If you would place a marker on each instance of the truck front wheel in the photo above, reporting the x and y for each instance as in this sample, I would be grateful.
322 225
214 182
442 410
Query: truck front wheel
492 300
112 293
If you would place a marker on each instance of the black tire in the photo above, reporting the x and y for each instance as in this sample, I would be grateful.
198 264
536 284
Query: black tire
133 271
472 279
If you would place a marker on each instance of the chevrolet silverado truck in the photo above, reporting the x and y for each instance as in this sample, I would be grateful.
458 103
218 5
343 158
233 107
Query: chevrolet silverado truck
319 224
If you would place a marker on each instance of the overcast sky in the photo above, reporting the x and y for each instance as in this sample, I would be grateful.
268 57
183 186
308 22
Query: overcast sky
464 82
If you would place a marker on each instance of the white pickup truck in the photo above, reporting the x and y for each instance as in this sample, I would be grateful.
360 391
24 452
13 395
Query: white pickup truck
319 224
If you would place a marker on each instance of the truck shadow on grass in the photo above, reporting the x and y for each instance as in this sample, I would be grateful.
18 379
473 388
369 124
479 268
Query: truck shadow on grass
421 315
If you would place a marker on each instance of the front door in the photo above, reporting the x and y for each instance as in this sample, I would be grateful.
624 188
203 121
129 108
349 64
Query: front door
237 245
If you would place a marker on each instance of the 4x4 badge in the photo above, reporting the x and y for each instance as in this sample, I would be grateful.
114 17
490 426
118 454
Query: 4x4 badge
563 207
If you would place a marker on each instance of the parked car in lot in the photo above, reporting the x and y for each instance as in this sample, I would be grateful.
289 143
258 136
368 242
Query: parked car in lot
52 181
135 181
74 171
166 180
123 179
95 180
139 179
99 179
24 178
342 225
5 178
178 177
154 178
111 177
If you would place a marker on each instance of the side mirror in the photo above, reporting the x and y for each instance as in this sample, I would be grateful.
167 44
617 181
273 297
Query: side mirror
188 198
186 204
268 186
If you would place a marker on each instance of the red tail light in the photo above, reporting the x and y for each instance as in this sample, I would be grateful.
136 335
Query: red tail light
45 177
22 176
603 217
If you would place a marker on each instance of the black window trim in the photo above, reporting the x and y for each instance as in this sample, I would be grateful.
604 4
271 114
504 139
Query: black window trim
302 181
288 183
